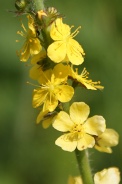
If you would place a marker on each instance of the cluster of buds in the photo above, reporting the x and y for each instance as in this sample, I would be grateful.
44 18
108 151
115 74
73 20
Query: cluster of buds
54 56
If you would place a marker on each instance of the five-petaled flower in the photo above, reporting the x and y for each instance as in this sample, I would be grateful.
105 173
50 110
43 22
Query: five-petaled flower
53 88
80 131
64 47
32 44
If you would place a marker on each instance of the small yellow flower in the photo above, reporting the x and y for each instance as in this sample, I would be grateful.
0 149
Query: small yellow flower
107 176
53 88
64 47
80 130
83 79
75 180
106 140
32 44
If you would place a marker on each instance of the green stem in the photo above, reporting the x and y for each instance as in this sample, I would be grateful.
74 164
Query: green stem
84 166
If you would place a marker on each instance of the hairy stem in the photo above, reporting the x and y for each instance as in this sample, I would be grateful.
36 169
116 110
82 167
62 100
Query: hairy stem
84 166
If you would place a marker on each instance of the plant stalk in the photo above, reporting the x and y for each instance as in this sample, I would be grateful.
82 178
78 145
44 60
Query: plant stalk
84 166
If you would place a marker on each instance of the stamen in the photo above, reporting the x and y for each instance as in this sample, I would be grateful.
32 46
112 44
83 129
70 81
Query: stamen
33 84
22 25
75 32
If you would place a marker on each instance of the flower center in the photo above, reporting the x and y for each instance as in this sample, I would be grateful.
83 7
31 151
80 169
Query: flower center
77 132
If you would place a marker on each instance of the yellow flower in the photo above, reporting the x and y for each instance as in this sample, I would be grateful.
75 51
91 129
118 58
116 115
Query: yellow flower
83 79
38 63
107 176
75 180
106 140
80 130
53 88
64 47
32 44
46 117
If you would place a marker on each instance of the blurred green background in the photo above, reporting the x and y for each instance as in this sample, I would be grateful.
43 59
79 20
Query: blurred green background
28 154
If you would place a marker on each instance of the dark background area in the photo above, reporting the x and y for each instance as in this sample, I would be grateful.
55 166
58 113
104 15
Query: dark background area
28 154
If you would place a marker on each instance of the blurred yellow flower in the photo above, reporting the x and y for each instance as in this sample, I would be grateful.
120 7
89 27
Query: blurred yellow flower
106 140
53 88
83 79
75 180
32 44
64 47
35 72
107 176
80 130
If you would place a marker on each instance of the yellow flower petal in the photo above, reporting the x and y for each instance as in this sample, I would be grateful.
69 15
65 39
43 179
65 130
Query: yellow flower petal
45 77
60 71
86 142
95 125
79 112
59 30
64 93
103 149
107 176
63 122
38 57
109 138
50 102
39 97
106 140
66 145
74 51
57 51
41 116
35 72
